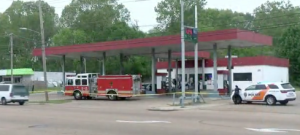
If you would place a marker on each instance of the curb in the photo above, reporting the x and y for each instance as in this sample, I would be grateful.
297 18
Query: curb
162 109
222 98
39 93
185 108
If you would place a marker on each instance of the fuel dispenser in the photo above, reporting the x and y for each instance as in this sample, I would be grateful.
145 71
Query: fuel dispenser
222 82
161 81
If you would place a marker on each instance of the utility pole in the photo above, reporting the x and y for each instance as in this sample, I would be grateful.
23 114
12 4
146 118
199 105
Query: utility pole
196 58
11 58
182 55
43 49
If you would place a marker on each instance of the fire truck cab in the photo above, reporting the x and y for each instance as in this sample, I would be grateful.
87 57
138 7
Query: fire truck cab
93 85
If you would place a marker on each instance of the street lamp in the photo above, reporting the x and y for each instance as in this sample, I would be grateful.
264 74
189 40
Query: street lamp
30 30
43 58
26 29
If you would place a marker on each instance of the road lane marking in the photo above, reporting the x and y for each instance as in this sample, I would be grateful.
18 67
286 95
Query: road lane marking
142 122
270 130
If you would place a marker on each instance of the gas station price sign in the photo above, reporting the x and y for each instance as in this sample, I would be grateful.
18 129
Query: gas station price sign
191 34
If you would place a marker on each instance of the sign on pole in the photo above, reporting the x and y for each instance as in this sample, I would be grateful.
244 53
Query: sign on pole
191 34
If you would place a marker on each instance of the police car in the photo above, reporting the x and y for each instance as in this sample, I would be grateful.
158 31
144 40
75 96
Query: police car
269 92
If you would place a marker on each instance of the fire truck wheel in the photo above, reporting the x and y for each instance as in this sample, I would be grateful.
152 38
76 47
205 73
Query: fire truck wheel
112 95
77 96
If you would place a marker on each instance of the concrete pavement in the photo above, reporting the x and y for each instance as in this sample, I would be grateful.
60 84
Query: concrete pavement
131 117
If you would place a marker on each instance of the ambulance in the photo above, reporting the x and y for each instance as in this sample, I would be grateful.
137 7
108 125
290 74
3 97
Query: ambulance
268 92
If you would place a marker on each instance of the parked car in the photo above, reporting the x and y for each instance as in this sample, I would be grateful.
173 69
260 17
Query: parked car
13 93
269 92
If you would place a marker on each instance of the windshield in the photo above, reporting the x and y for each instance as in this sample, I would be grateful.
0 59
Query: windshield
287 86
19 90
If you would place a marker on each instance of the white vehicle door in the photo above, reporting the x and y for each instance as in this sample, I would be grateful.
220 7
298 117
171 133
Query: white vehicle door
259 92
4 91
247 94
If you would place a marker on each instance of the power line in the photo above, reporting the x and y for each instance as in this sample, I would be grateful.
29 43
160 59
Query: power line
165 32
238 22
119 1
261 28
153 25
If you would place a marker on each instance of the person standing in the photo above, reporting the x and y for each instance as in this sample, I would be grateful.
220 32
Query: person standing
236 97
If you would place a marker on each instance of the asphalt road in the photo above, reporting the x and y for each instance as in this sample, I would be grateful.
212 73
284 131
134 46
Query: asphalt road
102 117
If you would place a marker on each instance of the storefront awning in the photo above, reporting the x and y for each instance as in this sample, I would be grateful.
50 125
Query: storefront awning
19 71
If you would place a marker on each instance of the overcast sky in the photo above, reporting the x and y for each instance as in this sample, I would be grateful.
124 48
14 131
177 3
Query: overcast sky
143 11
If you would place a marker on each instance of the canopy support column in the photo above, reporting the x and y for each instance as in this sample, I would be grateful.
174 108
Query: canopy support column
121 64
229 70
170 70
215 77
103 63
82 64
63 71
203 74
153 71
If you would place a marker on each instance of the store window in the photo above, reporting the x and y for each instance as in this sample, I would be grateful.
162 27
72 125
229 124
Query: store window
17 80
208 76
180 77
6 79
242 76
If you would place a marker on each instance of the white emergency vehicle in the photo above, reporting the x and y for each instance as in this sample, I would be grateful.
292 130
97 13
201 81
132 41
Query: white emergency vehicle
269 92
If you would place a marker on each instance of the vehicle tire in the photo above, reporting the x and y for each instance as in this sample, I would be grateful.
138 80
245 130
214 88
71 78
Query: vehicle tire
249 102
21 103
284 102
77 96
270 100
3 101
237 100
112 95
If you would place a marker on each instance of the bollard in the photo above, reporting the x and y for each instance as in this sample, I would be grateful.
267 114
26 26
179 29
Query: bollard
174 97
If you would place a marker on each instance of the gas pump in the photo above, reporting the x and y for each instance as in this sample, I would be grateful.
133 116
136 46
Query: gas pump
222 82
161 81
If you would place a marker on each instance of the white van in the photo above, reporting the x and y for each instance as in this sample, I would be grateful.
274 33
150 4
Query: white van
11 93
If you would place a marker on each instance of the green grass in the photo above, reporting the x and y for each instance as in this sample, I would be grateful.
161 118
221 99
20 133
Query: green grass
48 89
52 101
297 88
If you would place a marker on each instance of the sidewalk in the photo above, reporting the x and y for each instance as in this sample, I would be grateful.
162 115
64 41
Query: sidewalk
209 102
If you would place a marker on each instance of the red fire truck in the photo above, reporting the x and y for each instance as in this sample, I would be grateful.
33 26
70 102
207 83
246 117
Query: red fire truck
93 85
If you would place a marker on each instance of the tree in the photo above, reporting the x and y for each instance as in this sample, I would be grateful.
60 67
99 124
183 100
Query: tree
273 18
208 20
26 14
95 17
169 14
4 41
83 21
67 36
289 44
